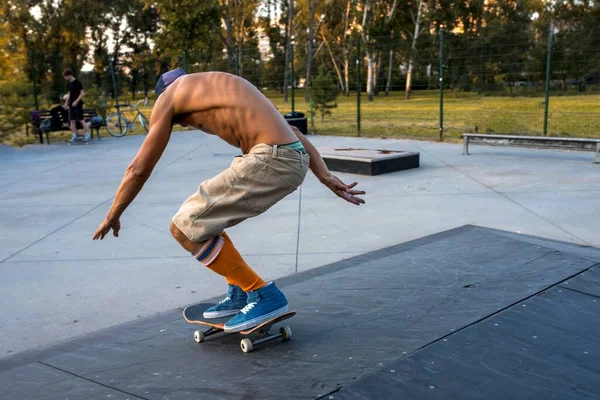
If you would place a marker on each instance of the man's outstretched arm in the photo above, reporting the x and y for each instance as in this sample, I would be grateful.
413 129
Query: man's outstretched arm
319 168
138 171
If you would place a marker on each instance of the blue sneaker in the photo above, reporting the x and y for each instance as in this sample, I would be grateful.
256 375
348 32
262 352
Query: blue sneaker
230 305
263 304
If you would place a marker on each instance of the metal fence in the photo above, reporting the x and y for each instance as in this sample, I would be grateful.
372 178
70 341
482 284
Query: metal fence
457 85
507 85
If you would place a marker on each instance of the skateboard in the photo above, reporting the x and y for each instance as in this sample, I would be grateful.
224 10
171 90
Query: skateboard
251 337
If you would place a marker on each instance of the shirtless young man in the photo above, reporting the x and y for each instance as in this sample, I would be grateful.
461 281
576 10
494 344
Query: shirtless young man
275 160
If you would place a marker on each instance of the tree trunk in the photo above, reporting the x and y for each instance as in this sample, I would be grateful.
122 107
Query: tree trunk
413 49
145 83
345 48
347 75
388 85
377 82
134 83
288 44
337 70
229 37
388 20
408 80
309 53
367 51
241 35
370 68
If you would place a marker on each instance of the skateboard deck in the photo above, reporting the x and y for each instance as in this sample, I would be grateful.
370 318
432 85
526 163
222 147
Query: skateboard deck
252 336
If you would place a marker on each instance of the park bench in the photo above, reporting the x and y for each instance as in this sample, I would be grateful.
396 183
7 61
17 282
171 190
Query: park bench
582 144
57 119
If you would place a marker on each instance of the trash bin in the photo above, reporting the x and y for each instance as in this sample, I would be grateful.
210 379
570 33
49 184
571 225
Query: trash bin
298 120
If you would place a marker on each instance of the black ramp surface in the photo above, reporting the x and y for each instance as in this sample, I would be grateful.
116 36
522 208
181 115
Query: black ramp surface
38 381
354 318
583 251
546 347
587 282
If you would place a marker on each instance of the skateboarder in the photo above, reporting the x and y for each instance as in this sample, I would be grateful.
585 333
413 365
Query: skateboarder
274 163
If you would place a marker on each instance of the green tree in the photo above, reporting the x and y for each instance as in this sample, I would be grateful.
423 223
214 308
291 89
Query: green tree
190 28
14 106
143 22
275 59
324 92
12 51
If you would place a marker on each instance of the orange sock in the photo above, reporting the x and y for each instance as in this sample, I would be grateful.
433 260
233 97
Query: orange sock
220 255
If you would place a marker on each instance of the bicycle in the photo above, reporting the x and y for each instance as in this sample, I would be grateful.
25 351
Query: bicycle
117 124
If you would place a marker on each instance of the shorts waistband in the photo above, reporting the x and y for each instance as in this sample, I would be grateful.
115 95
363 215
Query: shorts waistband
276 150
297 145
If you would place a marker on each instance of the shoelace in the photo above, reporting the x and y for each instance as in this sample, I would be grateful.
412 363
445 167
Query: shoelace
248 307
225 300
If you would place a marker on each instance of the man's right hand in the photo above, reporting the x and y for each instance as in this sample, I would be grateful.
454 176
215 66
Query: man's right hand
105 227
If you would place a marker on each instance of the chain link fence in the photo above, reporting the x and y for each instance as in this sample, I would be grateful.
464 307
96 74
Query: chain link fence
435 88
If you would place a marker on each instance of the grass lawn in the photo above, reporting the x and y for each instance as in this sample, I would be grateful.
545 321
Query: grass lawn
418 118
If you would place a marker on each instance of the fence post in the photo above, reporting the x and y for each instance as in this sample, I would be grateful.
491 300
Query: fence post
312 116
293 82
548 58
114 82
184 58
31 67
358 86
237 61
441 85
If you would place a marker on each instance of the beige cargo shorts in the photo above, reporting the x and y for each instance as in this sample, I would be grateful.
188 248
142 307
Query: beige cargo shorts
251 185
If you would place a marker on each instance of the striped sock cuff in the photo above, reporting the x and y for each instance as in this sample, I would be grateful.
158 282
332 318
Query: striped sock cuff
210 250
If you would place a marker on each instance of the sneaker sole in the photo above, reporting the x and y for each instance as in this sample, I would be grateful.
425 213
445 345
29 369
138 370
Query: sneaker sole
257 321
220 314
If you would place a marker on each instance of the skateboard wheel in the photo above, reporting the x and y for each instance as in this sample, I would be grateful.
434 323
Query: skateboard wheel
246 345
286 332
199 336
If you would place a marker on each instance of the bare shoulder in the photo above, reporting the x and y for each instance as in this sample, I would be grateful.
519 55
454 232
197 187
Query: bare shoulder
203 91
163 112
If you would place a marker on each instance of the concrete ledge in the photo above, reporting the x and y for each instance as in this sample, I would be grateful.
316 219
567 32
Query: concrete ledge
561 143
368 161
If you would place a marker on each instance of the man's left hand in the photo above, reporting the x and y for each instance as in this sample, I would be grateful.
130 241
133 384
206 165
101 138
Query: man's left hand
344 191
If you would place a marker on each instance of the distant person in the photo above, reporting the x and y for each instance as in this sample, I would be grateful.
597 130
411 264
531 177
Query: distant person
75 104
64 108
60 113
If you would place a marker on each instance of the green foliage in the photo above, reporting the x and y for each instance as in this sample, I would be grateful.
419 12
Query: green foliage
492 49
324 93
186 26
14 111
96 98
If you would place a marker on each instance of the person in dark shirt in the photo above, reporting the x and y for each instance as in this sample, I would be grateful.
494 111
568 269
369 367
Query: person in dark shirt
75 104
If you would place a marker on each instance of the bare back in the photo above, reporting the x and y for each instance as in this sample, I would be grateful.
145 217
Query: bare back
225 105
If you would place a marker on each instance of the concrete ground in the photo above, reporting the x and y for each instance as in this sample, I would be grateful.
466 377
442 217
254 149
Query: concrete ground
57 283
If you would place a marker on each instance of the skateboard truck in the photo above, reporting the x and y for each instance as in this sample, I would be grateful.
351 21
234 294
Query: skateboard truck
254 336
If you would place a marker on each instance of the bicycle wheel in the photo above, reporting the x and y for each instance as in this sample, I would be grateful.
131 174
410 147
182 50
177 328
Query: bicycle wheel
117 125
144 122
